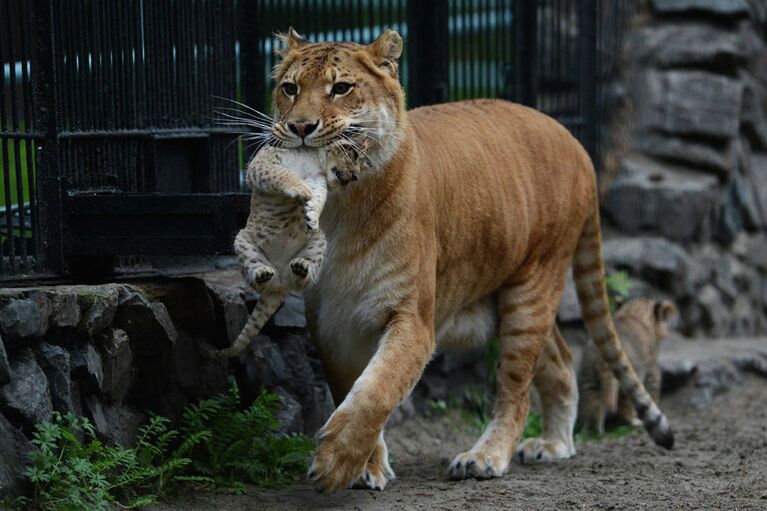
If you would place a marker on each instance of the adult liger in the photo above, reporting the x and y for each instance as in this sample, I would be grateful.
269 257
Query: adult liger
463 229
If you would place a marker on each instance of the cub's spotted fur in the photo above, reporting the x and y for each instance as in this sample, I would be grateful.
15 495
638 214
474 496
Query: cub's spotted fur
281 247
641 325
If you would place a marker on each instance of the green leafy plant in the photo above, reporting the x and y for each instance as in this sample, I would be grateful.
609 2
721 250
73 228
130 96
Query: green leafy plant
618 287
231 447
216 444
73 470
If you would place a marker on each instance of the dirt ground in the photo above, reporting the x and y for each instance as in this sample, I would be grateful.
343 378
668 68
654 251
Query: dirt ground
719 462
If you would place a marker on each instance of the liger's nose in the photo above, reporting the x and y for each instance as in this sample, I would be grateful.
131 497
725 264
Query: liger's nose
303 128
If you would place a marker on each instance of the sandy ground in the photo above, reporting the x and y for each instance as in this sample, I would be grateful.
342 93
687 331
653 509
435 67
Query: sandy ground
719 462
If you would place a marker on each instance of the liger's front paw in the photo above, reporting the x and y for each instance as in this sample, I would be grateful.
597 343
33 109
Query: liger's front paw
478 465
341 456
374 477
538 450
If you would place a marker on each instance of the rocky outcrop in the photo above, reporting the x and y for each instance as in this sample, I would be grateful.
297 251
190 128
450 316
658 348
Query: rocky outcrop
694 176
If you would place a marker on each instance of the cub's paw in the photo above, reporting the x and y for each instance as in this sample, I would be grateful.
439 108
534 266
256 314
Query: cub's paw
300 267
300 193
538 450
478 465
374 477
259 274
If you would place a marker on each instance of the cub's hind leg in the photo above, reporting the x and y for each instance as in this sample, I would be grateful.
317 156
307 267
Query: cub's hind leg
527 311
256 268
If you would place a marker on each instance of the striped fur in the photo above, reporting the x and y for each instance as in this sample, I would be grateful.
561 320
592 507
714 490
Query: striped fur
464 228
588 272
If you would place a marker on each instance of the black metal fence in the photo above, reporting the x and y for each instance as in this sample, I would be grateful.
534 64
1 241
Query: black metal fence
107 140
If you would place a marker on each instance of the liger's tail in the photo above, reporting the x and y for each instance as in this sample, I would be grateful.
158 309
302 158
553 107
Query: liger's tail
266 306
588 272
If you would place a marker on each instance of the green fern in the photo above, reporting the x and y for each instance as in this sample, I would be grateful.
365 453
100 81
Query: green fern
217 444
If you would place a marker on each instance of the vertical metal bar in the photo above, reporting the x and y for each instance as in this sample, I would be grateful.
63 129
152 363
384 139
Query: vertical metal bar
16 121
588 85
428 52
525 30
48 172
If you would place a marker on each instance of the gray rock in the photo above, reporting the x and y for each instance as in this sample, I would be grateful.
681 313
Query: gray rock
753 117
690 44
22 318
26 399
188 301
122 424
5 368
117 360
757 175
406 410
732 218
715 314
690 103
65 309
649 196
14 457
199 376
289 416
752 362
147 324
657 260
676 373
716 158
719 7
54 361
752 249
87 367
712 379
291 313
319 407
95 413
99 304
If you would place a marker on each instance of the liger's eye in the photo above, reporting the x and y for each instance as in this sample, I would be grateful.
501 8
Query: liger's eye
290 89
340 88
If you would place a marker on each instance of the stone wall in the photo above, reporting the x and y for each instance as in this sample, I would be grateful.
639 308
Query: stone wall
688 204
114 352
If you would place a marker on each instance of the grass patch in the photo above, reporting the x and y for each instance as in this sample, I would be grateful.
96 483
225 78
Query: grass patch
216 445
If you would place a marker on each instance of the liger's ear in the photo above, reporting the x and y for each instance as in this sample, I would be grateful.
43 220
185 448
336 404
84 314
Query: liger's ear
386 50
664 311
289 41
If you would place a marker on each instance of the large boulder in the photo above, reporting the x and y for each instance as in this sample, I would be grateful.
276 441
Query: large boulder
26 399
689 102
87 367
291 312
55 362
732 8
690 44
65 308
22 318
649 196
757 175
661 262
117 360
5 367
14 457
717 158
99 304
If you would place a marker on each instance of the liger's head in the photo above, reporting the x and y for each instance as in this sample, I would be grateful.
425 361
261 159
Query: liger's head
335 92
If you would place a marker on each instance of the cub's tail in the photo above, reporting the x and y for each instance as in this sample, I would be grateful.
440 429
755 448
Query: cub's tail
588 272
266 306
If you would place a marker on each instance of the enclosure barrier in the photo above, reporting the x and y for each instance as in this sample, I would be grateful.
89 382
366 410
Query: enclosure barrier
108 139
